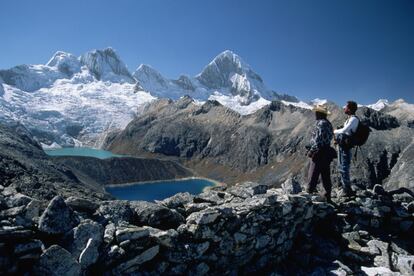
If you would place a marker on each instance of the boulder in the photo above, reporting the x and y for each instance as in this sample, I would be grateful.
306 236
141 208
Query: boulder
154 215
57 261
87 235
116 211
81 204
58 218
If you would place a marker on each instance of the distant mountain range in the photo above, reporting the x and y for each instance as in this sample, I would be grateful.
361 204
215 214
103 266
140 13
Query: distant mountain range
74 101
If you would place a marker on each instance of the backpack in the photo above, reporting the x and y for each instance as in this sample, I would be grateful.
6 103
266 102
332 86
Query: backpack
361 134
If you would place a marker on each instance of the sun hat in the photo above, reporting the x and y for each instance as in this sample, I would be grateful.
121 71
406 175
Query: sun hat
321 108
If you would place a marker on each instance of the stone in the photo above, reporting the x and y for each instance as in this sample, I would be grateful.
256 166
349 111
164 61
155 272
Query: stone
24 248
18 200
195 207
165 238
201 269
177 201
378 271
380 249
58 218
262 241
87 234
109 233
404 264
116 211
212 197
291 186
57 261
247 189
81 204
379 190
155 215
203 217
131 233
130 265
90 253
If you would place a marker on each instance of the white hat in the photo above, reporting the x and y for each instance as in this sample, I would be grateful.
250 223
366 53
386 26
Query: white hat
321 109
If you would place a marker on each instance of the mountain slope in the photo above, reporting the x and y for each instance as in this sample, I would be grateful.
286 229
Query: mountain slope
268 145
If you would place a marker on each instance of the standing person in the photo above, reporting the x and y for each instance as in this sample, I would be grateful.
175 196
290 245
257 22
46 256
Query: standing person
320 152
343 138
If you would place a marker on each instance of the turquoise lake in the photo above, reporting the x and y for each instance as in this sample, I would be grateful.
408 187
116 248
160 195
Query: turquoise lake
148 191
158 190
97 153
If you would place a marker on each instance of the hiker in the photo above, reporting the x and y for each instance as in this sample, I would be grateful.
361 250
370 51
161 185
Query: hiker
343 139
320 152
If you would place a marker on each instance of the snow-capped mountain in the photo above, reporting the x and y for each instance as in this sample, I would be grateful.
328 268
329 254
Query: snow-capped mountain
72 100
227 79
380 104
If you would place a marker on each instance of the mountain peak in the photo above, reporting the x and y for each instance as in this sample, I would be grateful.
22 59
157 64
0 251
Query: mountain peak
106 65
380 104
65 63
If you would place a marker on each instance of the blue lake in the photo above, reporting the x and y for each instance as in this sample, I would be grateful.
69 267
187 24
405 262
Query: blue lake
158 190
148 191
97 153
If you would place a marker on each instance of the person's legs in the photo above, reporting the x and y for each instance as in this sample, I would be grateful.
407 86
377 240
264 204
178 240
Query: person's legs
344 166
326 180
313 176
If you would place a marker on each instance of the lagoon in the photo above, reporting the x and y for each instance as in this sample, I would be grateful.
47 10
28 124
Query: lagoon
80 151
158 190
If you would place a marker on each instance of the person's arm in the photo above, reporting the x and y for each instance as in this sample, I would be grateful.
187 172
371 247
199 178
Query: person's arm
349 127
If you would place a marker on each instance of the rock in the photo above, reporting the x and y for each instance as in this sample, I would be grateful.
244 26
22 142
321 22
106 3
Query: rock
378 271
201 269
131 233
380 249
58 218
379 190
109 233
262 241
291 186
90 253
18 200
195 207
133 264
81 204
404 264
247 189
24 248
87 234
210 196
57 261
165 238
116 211
177 201
203 217
155 215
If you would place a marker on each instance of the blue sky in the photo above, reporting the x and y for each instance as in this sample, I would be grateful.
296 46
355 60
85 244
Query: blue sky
335 49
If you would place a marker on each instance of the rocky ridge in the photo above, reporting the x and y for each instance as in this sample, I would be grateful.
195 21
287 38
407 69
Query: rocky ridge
244 229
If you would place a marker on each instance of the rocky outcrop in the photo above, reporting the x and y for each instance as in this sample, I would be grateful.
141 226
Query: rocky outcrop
25 168
247 228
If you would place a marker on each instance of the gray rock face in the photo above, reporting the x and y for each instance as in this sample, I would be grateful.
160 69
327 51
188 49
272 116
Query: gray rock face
58 218
57 261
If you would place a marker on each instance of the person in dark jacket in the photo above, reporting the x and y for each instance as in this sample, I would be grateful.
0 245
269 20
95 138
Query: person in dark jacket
320 152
